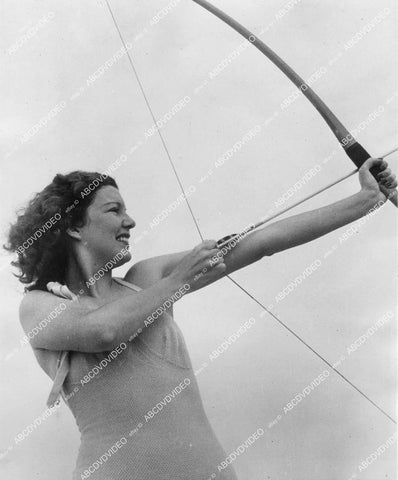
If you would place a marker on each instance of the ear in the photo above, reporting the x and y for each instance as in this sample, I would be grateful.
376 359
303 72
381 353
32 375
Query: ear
74 232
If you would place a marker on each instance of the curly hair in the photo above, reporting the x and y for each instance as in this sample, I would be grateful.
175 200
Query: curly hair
39 236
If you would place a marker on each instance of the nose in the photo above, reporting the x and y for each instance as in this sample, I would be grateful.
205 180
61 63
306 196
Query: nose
128 222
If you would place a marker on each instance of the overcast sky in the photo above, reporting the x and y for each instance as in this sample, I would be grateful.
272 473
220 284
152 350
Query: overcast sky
329 433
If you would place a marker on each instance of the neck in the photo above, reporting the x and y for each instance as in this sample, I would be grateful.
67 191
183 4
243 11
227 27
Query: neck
85 277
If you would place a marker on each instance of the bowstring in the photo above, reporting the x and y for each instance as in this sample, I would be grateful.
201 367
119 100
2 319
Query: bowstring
273 315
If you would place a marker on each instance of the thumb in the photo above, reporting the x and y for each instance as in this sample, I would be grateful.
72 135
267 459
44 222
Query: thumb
374 163
370 169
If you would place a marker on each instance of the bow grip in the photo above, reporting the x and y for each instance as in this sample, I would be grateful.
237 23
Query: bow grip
359 156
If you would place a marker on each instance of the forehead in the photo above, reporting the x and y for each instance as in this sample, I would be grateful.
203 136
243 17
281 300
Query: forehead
105 195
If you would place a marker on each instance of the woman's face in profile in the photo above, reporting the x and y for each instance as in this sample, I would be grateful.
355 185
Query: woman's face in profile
106 232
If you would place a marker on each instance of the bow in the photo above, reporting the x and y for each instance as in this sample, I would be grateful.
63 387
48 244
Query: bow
352 148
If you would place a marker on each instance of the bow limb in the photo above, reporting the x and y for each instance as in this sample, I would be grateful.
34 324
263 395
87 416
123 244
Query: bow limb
352 148
200 234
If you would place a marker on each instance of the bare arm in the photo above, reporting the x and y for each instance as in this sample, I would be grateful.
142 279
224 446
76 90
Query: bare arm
103 328
302 228
284 234
308 226
77 328
52 323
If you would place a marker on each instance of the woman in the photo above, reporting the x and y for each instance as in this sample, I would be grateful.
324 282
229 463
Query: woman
111 345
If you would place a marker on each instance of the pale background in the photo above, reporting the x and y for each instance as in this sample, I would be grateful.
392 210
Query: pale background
328 434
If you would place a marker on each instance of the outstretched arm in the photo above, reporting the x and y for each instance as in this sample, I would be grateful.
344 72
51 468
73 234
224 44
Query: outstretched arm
305 227
308 226
295 230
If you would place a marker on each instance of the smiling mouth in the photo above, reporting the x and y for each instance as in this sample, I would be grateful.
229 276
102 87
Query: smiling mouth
123 239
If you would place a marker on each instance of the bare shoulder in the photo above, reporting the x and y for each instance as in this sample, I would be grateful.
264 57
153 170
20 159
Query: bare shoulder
37 305
33 301
149 271
52 322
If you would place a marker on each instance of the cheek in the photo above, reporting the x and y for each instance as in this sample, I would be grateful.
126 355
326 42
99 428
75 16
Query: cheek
109 224
106 226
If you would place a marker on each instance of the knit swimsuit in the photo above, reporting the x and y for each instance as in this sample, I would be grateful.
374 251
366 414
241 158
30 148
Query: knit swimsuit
139 410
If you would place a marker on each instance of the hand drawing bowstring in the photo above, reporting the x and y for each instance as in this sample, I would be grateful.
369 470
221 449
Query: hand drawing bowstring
355 151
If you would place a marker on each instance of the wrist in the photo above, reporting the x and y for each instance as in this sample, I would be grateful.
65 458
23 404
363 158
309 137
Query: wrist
370 198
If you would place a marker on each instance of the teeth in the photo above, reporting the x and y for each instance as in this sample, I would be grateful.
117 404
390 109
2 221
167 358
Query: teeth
123 238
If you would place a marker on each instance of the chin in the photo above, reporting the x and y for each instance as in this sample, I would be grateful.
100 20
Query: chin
120 256
126 255
126 258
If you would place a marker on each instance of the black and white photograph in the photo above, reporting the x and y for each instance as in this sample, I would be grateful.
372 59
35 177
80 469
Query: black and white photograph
198 260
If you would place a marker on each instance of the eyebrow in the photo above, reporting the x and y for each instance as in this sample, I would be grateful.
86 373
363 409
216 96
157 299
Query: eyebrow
108 203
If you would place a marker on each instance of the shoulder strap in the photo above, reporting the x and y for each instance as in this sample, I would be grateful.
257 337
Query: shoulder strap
127 284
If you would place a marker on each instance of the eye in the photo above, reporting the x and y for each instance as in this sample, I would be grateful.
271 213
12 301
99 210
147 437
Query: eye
114 209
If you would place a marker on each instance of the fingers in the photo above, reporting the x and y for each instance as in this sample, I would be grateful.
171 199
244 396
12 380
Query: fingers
384 173
210 244
208 255
207 249
213 259
67 293
60 290
384 177
206 245
220 268
388 181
